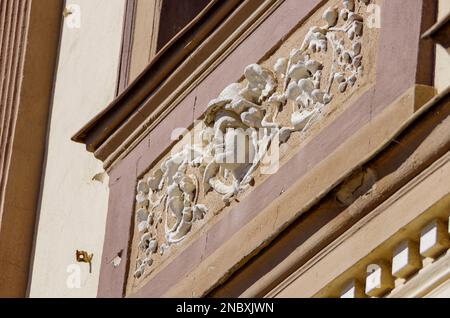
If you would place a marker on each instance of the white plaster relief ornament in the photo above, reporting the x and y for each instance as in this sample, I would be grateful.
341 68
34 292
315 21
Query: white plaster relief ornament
168 200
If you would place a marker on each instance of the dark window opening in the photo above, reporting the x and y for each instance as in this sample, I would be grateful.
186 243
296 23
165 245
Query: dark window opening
175 15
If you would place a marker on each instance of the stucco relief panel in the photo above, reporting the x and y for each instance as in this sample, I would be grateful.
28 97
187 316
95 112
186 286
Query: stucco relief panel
251 128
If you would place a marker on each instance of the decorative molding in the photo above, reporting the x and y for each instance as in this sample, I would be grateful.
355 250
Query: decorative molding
406 255
382 279
439 32
241 31
168 201
168 62
429 281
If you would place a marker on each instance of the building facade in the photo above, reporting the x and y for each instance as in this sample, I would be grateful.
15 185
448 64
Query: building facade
239 148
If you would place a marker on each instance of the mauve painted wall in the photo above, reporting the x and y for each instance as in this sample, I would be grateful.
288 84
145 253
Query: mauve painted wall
397 71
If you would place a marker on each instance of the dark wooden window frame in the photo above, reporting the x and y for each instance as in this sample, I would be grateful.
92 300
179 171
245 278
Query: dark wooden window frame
127 44
131 7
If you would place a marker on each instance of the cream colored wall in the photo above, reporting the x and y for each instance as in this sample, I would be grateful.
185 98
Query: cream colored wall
73 205
442 75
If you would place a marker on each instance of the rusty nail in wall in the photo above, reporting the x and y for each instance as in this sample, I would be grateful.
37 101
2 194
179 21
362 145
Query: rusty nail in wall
67 12
85 257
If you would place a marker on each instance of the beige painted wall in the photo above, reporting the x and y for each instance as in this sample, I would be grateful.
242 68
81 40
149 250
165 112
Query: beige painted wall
442 76
73 205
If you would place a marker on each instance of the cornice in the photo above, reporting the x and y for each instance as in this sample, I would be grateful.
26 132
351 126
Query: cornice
439 32
114 152
361 207
377 100
419 118
165 62
112 133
